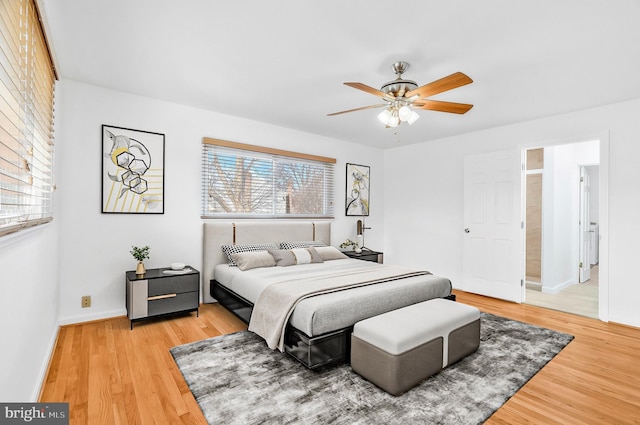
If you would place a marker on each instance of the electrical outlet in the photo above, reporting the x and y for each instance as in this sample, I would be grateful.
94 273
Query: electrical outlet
86 301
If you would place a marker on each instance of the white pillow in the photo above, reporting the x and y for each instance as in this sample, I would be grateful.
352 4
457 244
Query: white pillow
302 255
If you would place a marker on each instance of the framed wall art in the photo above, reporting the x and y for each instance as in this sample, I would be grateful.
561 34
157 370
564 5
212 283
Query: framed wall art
357 191
132 171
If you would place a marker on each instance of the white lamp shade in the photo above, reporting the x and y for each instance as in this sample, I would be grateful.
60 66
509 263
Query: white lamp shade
413 117
384 116
404 113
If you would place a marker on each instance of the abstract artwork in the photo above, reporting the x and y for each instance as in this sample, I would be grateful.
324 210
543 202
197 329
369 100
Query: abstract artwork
132 171
357 200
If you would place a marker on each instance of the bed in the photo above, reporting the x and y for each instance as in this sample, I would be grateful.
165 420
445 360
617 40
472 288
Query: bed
317 328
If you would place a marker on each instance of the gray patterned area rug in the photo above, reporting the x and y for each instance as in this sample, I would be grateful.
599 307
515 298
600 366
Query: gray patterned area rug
236 379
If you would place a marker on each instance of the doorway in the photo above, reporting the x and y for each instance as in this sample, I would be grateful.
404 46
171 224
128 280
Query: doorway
562 229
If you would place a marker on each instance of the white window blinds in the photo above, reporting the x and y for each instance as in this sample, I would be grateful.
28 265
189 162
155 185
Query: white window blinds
27 80
240 180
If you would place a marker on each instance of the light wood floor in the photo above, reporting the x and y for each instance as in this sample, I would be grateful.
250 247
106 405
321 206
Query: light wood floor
111 375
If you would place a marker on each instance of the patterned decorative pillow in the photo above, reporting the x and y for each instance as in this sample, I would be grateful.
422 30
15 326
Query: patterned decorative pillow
235 249
300 244
291 257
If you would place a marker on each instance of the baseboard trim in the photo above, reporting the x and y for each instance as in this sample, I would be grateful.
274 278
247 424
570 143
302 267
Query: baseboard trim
44 368
557 288
72 320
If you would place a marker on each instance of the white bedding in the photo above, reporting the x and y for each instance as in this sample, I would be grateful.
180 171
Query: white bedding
321 314
278 301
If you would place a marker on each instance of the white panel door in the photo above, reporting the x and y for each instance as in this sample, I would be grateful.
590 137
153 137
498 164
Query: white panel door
493 252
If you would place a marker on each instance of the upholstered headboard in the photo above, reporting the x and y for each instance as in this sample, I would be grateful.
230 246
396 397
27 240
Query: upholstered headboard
218 233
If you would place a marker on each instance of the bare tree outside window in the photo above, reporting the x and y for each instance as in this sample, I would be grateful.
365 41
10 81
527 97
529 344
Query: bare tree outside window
298 181
233 188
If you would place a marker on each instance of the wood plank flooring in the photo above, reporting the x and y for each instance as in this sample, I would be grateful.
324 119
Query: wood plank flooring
112 375
594 380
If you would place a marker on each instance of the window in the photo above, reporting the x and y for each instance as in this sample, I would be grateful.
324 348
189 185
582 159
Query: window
241 180
27 79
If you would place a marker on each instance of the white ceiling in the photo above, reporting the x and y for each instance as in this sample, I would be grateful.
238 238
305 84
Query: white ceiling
284 61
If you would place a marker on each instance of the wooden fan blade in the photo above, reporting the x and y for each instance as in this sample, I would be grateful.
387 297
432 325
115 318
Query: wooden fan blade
438 105
358 109
370 90
449 82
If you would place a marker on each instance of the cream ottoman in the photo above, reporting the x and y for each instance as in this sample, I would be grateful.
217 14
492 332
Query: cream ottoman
398 349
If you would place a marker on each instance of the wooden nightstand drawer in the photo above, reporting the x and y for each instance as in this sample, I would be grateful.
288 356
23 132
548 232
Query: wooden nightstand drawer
174 284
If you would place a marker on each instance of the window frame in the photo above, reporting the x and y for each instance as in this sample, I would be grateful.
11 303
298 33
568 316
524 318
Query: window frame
277 156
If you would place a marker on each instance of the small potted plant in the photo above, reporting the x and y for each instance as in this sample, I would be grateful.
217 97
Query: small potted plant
349 243
140 254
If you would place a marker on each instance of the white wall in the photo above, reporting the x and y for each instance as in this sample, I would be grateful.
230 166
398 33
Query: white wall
94 247
561 211
424 195
28 309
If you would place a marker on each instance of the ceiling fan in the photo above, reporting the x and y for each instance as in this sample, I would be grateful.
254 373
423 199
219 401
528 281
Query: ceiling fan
401 96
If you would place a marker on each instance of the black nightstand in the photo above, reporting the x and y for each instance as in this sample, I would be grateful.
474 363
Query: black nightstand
366 255
157 293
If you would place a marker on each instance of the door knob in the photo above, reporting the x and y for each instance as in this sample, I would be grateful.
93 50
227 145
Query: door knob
467 230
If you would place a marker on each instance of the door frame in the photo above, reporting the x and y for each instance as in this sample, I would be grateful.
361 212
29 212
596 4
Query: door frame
603 211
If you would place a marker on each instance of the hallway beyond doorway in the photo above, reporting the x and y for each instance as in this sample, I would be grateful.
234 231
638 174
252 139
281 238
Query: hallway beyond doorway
580 298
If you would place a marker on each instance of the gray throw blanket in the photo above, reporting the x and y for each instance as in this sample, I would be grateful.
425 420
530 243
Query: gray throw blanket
275 304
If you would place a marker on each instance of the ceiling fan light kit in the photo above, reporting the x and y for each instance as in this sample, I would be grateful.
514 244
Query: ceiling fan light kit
401 96
388 118
395 114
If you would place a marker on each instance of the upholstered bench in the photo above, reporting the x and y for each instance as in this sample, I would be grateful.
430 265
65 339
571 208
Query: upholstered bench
398 349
